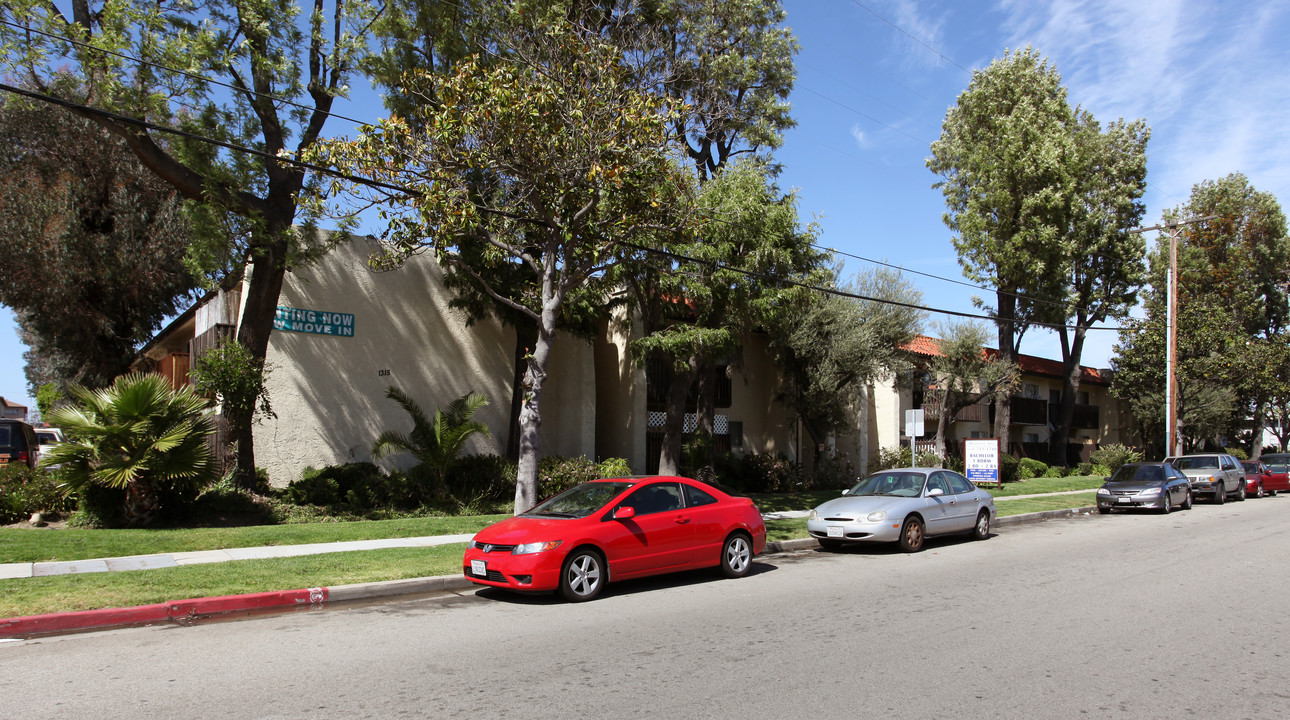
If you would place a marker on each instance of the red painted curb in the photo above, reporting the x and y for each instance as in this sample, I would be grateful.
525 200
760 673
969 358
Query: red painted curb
175 610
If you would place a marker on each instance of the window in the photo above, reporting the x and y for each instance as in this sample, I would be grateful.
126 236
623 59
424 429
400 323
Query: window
1031 438
978 435
1055 396
1083 397
937 481
958 483
736 428
1032 391
656 498
694 497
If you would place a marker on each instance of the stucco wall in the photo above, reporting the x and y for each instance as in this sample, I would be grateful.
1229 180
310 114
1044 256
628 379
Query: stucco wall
767 428
328 391
620 396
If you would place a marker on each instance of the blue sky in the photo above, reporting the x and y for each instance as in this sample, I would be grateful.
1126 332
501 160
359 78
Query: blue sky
876 77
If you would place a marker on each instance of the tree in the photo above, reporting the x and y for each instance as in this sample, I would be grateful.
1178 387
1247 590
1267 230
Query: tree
92 246
576 157
1004 155
1104 263
963 374
281 67
137 435
435 442
698 300
830 346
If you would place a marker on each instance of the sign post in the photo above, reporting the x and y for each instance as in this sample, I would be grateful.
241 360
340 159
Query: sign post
914 429
981 461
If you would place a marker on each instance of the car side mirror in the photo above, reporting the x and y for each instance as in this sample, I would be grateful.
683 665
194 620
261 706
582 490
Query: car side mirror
1106 479
624 513
847 491
935 492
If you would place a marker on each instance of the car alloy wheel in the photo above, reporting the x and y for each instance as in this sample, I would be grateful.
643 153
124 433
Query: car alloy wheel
1220 494
1259 493
1240 492
1187 500
911 535
1168 504
736 556
582 577
982 529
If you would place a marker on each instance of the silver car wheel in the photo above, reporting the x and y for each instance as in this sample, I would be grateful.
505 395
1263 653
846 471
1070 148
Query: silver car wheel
736 556
581 579
982 530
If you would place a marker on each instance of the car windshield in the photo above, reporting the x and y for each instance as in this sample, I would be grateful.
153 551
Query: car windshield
46 438
1197 463
902 484
1139 473
579 501
1277 463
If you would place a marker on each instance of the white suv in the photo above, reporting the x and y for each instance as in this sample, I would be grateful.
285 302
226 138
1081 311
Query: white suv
1215 474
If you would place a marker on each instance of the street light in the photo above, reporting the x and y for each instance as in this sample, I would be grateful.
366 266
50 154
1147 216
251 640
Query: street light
1171 329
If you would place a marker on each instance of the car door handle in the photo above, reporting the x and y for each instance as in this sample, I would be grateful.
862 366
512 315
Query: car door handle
682 520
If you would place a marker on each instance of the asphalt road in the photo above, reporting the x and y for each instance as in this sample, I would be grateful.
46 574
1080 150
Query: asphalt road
1126 616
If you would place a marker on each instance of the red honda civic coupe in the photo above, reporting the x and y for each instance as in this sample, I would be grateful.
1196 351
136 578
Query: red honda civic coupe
1264 480
579 540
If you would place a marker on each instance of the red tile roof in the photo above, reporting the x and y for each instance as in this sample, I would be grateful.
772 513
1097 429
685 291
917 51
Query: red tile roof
1030 365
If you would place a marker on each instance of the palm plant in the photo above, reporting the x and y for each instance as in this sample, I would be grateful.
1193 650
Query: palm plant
137 435
436 441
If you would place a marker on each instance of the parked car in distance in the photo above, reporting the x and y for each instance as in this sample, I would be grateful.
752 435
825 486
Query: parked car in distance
577 541
1159 486
905 506
1217 475
48 437
18 443
1276 462
1261 480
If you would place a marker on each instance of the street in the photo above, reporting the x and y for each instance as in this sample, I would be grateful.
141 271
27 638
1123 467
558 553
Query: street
1124 616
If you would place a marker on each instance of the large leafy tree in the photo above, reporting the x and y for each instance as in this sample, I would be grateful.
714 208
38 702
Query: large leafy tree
963 374
92 246
1005 157
578 161
1104 263
1233 272
280 66
831 346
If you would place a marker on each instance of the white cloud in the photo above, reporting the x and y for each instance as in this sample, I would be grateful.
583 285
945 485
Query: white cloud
858 133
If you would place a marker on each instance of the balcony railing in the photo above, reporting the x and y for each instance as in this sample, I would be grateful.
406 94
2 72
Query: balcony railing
932 411
1026 411
1086 417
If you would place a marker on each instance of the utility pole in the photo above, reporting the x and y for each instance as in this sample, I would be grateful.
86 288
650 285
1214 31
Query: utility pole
1171 330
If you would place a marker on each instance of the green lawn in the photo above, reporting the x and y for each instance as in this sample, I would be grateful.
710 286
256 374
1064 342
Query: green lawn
44 545
64 593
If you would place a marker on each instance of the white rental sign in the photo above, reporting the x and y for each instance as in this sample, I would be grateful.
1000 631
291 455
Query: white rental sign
981 461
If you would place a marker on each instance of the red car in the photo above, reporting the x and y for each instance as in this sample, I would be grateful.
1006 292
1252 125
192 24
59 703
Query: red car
577 541
1264 480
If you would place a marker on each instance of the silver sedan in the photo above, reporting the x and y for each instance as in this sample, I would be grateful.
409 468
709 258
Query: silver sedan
904 505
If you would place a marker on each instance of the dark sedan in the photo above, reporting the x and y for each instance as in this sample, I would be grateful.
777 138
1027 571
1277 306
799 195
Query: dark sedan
1159 486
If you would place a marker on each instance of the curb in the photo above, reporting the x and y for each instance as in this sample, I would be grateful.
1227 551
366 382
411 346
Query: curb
186 611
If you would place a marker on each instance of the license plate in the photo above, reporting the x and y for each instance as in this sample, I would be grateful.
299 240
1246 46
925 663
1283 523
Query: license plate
1123 500
835 531
479 567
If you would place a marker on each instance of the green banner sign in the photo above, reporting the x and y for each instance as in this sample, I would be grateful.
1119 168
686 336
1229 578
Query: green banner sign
317 322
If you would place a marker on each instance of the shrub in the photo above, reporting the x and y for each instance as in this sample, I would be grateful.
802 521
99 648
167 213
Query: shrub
1114 455
1092 469
1056 471
956 464
888 458
930 459
759 473
1030 468
477 479
24 491
1008 468
834 472
557 474
1238 453
359 485
614 468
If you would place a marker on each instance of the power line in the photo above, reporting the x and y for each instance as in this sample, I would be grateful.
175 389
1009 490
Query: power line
907 34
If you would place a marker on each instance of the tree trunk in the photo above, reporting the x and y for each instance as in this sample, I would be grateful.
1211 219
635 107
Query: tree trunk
525 340
678 390
268 267
942 426
1072 350
526 473
1260 422
705 416
1007 351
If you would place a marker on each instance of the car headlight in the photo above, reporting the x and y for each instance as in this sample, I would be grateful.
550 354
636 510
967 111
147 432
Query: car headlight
536 547
471 544
813 516
1153 491
876 516
1103 491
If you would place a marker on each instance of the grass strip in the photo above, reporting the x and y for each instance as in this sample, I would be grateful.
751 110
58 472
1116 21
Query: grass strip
91 591
44 545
